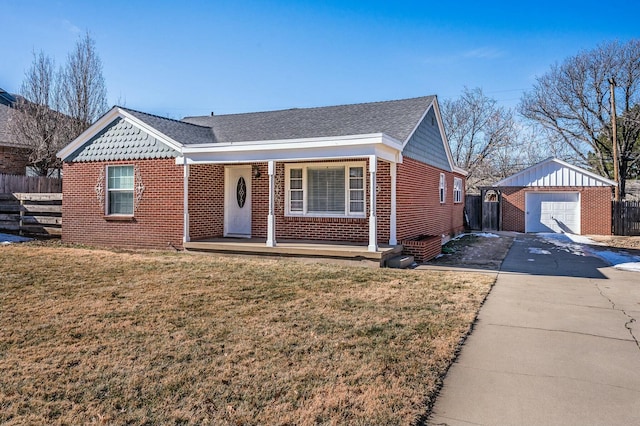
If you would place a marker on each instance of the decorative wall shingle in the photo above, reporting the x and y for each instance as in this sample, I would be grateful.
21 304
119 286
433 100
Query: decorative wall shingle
121 140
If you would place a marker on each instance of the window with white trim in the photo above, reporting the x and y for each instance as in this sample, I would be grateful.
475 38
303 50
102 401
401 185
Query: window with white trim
296 193
442 188
119 190
326 189
356 189
457 190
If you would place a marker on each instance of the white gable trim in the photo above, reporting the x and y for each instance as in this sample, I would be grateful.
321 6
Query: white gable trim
436 109
515 180
107 119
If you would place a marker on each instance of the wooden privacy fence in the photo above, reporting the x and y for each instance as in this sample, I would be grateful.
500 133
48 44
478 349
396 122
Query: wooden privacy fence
482 212
625 217
19 183
473 212
31 214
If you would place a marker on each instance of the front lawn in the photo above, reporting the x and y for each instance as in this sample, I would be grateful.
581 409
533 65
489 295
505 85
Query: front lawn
92 336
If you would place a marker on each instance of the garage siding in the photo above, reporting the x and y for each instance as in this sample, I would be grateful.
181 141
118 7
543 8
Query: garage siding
595 207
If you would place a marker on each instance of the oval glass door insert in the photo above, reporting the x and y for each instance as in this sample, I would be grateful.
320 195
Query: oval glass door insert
241 192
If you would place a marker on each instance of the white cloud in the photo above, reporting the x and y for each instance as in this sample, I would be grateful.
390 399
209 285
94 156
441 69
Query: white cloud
484 53
69 26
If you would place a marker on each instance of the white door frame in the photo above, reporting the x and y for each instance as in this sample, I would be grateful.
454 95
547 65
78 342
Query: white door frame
229 187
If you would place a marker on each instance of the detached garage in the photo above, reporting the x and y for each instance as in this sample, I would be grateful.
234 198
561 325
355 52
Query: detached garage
555 196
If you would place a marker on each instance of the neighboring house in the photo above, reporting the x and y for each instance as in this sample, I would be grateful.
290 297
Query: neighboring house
367 174
555 196
14 157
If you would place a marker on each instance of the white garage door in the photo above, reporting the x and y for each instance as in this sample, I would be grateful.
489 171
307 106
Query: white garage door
552 212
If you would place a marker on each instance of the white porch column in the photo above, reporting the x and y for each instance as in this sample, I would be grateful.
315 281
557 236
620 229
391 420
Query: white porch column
373 221
271 218
392 215
185 237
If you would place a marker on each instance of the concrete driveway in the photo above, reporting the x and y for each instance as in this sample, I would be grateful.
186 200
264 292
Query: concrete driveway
556 343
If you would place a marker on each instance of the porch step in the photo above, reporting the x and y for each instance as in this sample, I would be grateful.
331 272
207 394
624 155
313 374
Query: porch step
400 262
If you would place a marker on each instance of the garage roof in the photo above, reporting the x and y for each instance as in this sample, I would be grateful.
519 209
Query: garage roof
555 172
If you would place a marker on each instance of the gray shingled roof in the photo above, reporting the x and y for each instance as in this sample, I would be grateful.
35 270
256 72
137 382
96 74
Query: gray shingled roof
121 140
394 118
180 131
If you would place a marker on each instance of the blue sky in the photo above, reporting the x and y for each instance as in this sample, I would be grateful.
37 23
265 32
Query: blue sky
193 57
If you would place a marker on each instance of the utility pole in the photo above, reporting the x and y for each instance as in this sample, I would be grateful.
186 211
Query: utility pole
614 138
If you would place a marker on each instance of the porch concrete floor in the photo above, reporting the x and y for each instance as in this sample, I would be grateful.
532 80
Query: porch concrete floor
302 248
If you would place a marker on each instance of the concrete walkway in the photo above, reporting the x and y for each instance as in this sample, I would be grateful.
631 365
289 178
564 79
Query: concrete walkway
555 344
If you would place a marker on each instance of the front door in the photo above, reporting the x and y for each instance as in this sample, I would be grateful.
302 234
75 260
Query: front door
237 201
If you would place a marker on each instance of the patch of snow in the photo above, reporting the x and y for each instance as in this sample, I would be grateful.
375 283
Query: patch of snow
616 258
531 260
536 250
581 239
9 239
631 266
620 260
439 256
584 246
563 242
487 235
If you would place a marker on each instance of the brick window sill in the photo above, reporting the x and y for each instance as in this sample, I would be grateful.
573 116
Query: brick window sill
119 218
325 219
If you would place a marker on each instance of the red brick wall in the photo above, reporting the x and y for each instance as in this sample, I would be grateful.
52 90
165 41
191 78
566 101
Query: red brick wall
419 211
13 161
595 210
337 229
424 249
330 229
206 201
206 208
157 221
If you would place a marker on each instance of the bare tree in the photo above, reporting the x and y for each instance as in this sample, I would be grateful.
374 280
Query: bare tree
572 101
36 122
84 93
477 129
55 107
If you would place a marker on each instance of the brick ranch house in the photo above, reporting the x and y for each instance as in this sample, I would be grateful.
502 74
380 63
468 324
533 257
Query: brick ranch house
555 196
373 175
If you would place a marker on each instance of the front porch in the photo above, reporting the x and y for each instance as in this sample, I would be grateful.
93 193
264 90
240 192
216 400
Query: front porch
301 248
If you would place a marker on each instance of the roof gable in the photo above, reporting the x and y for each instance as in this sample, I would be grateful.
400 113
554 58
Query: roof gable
121 140
427 143
180 131
396 119
120 131
555 172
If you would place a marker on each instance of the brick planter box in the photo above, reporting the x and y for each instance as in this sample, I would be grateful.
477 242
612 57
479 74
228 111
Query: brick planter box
423 248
